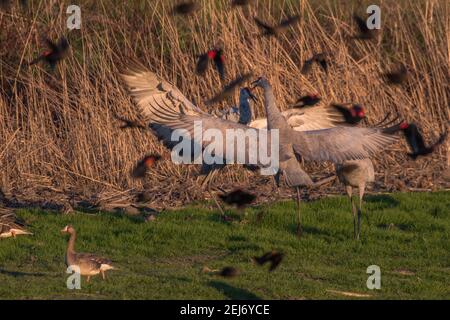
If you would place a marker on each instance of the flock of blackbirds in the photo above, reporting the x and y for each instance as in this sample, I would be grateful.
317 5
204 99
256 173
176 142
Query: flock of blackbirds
352 115
57 51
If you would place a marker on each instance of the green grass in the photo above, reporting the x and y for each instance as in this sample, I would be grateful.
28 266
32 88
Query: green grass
163 259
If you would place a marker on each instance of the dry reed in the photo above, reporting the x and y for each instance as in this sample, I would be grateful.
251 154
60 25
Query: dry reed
58 134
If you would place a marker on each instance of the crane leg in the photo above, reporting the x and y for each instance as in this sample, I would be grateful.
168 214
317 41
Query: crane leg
361 196
349 193
206 184
217 203
299 221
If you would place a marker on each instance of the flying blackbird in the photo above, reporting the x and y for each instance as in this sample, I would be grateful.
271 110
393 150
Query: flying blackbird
229 272
235 3
129 123
273 257
268 30
319 58
143 165
185 8
219 61
397 76
228 90
56 52
308 100
351 115
415 140
6 3
364 32
238 197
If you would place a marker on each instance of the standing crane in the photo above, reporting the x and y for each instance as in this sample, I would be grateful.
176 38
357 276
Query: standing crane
356 174
352 173
167 109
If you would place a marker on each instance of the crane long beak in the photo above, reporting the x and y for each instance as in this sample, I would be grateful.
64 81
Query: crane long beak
254 83
252 96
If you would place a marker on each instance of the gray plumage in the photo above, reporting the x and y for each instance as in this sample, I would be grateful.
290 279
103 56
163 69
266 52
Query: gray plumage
306 118
165 107
88 263
356 174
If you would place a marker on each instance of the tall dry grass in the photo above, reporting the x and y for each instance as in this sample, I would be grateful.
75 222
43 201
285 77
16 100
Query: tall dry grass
58 132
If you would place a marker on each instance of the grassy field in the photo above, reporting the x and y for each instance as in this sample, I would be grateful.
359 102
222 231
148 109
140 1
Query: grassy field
408 238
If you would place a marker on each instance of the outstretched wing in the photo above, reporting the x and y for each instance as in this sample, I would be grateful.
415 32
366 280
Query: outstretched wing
306 118
341 143
263 25
167 109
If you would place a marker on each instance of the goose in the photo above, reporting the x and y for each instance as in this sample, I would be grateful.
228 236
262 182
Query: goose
11 225
166 109
89 264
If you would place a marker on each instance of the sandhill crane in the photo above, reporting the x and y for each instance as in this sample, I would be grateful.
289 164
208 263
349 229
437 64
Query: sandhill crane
351 173
356 174
167 109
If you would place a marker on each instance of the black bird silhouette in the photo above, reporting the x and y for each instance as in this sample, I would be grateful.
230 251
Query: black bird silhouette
238 197
351 115
229 89
185 8
229 272
274 257
235 3
217 56
6 3
364 32
319 58
308 100
397 76
275 30
143 165
56 52
415 140
129 123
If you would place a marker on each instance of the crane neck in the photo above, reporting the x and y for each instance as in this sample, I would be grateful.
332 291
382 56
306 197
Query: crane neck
275 119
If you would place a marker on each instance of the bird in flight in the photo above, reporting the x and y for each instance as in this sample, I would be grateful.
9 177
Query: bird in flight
57 52
268 30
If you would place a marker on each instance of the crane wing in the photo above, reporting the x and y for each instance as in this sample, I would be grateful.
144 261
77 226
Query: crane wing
167 109
341 143
306 118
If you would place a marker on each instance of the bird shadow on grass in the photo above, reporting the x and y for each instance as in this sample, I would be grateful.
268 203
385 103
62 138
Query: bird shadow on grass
17 274
237 238
309 230
233 293
237 243
400 226
382 201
